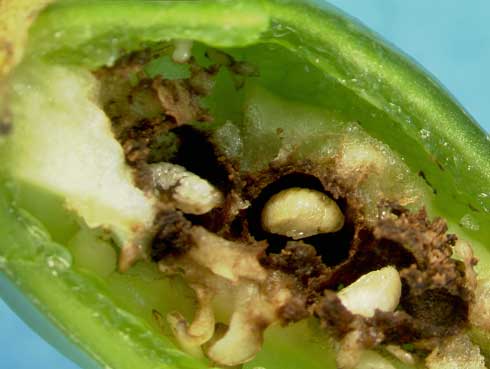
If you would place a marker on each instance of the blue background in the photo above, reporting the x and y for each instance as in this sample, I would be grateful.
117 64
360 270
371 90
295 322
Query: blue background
450 38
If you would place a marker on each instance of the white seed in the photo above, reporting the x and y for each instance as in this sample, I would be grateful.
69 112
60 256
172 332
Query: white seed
191 336
182 51
189 192
301 212
360 155
380 289
179 327
240 344
228 259
244 337
401 354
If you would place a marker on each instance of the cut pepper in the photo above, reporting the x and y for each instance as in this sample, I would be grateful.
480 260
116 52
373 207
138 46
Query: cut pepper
367 82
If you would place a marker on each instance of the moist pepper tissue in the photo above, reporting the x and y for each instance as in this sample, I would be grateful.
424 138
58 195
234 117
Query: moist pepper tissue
228 251
228 191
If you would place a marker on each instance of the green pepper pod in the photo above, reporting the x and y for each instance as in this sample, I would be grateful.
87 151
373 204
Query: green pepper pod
368 82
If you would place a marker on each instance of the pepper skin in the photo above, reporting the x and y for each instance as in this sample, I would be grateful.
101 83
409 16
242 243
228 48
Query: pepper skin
406 100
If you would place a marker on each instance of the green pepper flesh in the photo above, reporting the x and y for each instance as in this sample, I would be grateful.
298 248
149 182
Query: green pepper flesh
368 82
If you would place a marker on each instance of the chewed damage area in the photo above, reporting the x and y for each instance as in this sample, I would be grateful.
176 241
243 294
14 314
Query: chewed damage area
331 226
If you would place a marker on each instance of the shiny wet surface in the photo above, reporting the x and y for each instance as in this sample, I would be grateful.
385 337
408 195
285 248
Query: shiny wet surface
450 40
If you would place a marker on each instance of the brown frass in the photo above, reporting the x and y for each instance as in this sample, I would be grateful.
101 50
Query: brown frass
157 119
